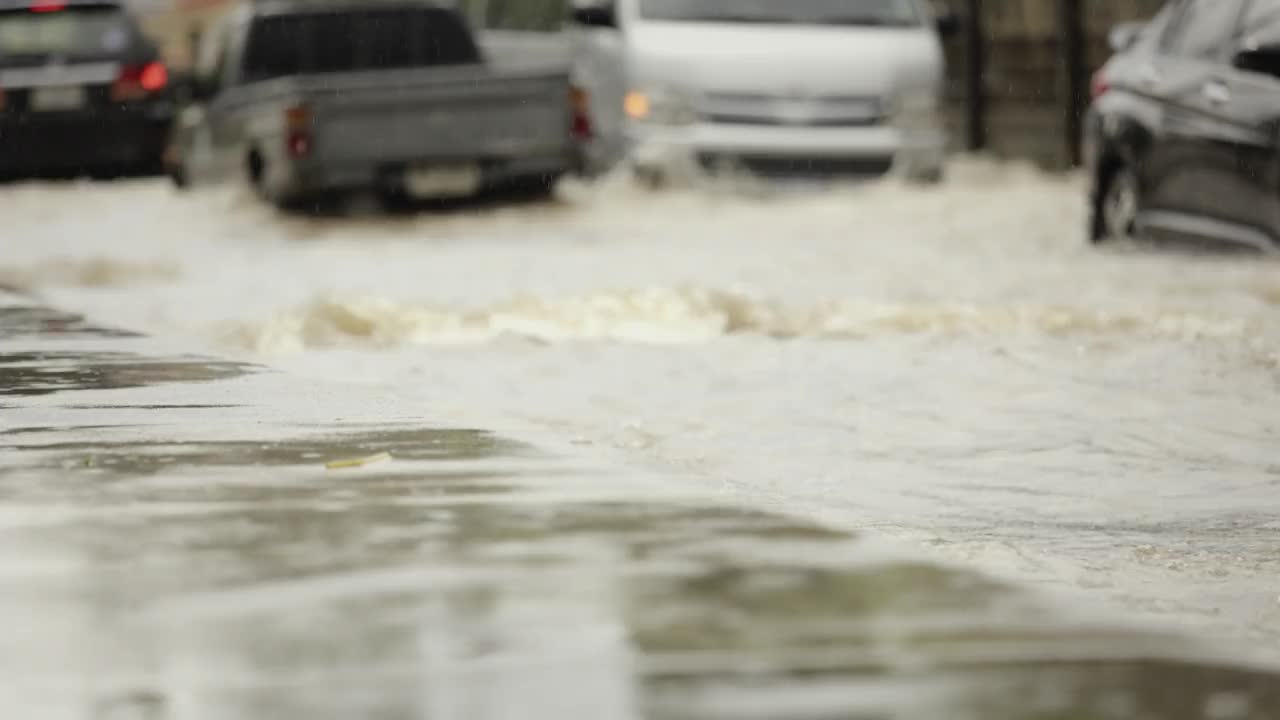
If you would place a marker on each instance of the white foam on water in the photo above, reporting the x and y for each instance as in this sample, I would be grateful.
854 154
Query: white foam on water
691 315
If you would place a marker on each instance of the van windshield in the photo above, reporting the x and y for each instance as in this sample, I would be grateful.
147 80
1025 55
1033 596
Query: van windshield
888 13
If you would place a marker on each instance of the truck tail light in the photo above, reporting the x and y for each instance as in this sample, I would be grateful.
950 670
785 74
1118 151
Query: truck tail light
138 81
297 124
582 129
48 6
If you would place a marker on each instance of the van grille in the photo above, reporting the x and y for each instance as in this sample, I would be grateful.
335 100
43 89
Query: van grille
794 111
790 166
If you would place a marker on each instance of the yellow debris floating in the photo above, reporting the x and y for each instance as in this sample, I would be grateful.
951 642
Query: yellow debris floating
358 462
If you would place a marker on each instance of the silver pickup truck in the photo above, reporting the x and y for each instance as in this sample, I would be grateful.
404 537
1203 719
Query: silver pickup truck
303 97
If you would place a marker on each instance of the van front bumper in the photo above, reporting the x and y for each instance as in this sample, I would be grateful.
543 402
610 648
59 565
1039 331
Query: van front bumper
867 150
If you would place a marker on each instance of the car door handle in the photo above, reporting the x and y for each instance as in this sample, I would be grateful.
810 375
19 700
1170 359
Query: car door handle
1216 92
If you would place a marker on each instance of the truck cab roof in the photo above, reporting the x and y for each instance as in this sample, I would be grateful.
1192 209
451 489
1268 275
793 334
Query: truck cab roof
285 7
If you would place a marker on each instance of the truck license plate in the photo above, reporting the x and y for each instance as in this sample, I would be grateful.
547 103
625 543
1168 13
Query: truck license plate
436 181
50 99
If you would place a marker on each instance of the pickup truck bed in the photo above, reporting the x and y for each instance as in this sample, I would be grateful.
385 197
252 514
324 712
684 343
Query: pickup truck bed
368 128
393 95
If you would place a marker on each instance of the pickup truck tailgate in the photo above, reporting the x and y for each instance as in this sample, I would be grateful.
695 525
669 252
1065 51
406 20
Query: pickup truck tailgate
469 113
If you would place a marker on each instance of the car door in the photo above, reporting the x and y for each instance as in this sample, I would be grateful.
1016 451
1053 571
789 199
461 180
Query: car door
1251 81
1186 167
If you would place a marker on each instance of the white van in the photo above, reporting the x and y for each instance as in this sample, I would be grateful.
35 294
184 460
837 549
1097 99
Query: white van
826 86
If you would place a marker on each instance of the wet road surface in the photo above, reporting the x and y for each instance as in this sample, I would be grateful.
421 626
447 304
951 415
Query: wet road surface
172 545
952 369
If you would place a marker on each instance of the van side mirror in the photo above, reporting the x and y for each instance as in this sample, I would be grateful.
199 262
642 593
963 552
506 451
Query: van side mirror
948 23
601 15
1264 60
1125 35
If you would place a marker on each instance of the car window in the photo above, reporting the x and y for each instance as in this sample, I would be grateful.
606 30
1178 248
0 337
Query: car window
1202 28
273 49
1158 27
72 32
333 42
1261 23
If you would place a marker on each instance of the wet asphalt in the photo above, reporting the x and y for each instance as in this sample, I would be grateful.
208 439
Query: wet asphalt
176 544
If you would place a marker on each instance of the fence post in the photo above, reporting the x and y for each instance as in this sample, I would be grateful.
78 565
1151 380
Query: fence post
1071 76
975 71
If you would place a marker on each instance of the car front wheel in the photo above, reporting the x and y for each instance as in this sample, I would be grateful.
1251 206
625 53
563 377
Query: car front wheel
1119 207
178 174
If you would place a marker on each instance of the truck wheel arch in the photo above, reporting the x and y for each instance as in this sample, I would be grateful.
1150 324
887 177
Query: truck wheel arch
255 168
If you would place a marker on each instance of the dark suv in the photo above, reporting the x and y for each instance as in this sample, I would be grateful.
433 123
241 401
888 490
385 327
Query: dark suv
1183 136
81 90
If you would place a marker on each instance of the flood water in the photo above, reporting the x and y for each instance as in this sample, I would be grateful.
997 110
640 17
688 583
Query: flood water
703 419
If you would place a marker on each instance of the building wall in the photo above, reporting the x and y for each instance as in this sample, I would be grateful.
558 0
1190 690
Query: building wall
173 22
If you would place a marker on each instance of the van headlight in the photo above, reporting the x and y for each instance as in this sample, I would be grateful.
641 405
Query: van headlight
916 106
659 106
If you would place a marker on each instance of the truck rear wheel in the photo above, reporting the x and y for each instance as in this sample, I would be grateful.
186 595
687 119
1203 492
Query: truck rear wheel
535 186
258 177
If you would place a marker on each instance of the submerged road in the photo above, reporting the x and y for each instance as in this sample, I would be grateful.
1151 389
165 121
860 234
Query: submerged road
951 370
180 540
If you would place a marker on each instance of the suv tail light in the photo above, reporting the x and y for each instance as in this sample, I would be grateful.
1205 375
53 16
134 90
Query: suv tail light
138 81
297 125
1098 84
582 129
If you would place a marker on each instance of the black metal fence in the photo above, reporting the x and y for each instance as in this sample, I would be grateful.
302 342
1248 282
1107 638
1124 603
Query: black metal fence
1019 72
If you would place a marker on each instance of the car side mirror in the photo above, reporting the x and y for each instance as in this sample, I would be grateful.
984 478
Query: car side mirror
602 15
948 23
1125 35
1264 60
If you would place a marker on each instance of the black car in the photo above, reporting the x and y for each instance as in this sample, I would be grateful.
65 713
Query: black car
81 90
1183 135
